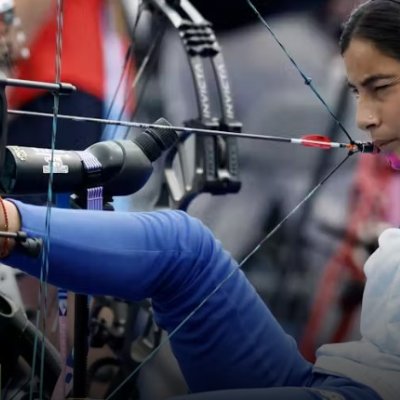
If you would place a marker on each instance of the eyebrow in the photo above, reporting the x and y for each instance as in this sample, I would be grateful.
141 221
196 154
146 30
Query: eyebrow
372 79
393 1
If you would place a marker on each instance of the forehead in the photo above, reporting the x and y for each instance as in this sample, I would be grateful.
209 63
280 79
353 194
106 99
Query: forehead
363 60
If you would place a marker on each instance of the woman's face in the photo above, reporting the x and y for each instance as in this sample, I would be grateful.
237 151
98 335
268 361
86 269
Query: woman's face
375 79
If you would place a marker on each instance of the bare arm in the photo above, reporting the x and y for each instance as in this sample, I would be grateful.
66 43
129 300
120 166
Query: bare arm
14 223
33 14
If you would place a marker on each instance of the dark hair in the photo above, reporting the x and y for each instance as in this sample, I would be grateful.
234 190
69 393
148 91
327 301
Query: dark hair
377 21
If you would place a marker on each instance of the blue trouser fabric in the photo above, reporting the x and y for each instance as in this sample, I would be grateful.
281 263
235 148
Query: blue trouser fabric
233 341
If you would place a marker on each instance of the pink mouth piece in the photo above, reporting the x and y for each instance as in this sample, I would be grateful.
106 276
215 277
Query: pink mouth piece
393 160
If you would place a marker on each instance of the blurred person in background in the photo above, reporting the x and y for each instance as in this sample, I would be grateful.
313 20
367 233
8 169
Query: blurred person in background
93 51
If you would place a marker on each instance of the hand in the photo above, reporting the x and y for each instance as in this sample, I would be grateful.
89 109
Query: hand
14 225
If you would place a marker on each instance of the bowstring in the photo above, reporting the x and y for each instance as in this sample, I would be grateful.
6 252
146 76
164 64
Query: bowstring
44 270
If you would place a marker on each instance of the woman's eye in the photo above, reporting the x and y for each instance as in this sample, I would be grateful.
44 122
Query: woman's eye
381 88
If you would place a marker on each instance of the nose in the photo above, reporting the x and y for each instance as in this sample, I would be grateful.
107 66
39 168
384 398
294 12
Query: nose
367 117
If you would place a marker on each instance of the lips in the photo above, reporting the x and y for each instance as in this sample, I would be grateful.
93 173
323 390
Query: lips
381 144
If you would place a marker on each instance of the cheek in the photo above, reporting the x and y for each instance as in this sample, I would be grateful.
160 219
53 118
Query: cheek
391 113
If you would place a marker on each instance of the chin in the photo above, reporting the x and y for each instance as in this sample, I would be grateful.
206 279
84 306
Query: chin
390 148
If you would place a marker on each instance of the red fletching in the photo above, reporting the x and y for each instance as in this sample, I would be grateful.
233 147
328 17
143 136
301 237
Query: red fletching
323 141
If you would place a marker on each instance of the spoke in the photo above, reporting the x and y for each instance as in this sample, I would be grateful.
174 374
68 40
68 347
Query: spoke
127 62
138 101
139 75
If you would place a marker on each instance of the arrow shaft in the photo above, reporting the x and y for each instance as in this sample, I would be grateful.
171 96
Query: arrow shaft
213 132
